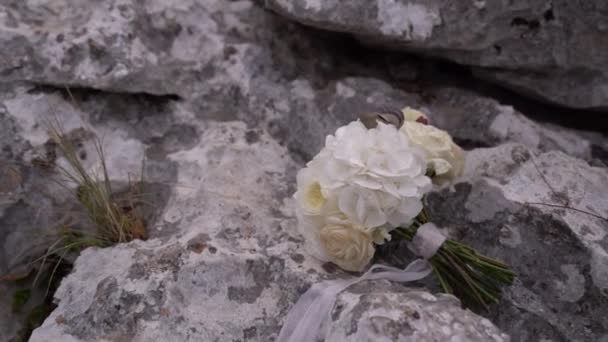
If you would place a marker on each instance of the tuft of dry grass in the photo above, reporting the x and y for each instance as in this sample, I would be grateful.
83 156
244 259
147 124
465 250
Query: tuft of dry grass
116 218
104 217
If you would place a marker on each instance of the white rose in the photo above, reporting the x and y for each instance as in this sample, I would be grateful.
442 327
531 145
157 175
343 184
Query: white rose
444 158
413 115
350 248
337 239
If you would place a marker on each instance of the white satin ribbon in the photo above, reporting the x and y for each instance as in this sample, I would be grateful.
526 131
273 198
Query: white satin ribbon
305 320
427 241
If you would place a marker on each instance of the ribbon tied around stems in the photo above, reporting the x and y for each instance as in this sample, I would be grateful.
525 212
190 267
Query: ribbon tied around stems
427 241
306 317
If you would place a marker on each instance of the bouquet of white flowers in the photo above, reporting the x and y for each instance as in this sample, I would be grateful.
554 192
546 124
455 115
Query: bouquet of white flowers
366 186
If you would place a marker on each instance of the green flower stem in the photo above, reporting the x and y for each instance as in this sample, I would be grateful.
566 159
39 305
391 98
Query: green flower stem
461 270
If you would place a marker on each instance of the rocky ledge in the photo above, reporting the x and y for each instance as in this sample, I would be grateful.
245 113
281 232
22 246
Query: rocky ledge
547 49
226 101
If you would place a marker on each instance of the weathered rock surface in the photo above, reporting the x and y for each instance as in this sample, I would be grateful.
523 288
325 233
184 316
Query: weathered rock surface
33 204
548 49
228 271
476 121
256 96
212 241
120 45
206 53
379 311
547 215
231 270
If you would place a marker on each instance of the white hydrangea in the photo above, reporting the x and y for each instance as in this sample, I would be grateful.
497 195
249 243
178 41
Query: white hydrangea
361 185
377 159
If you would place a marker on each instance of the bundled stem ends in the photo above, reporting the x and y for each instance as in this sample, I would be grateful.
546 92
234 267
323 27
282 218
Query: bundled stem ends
474 278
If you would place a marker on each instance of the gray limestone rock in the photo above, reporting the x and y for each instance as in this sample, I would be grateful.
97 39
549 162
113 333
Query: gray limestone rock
123 45
229 268
256 96
477 121
262 68
380 311
233 267
546 214
33 205
551 50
